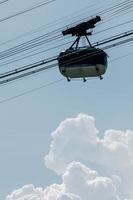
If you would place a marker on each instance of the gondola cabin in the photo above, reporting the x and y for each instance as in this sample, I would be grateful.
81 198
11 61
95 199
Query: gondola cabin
82 62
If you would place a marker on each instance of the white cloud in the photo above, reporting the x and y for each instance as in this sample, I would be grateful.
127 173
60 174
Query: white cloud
28 192
74 139
82 181
91 167
77 139
78 183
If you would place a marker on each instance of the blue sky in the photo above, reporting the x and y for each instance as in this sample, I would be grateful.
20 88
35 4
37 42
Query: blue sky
27 122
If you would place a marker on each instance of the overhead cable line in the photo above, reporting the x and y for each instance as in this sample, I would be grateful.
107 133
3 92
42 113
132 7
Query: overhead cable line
49 25
22 70
21 57
31 91
116 7
1 2
33 53
74 22
28 73
51 83
99 43
116 37
18 49
110 10
115 26
30 44
28 67
41 40
59 20
27 10
54 47
123 8
27 46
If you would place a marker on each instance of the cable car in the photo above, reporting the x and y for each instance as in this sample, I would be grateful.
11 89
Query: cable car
82 62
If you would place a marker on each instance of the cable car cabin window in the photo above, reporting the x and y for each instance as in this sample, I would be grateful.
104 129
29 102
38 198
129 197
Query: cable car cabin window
89 56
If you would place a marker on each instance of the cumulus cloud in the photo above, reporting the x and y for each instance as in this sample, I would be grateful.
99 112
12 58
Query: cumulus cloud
91 167
26 192
78 183
87 184
73 139
77 139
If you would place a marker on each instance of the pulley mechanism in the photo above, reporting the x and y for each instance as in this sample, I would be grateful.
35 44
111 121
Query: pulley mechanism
82 29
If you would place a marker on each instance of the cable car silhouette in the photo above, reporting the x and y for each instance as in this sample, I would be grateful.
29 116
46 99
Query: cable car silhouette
82 62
